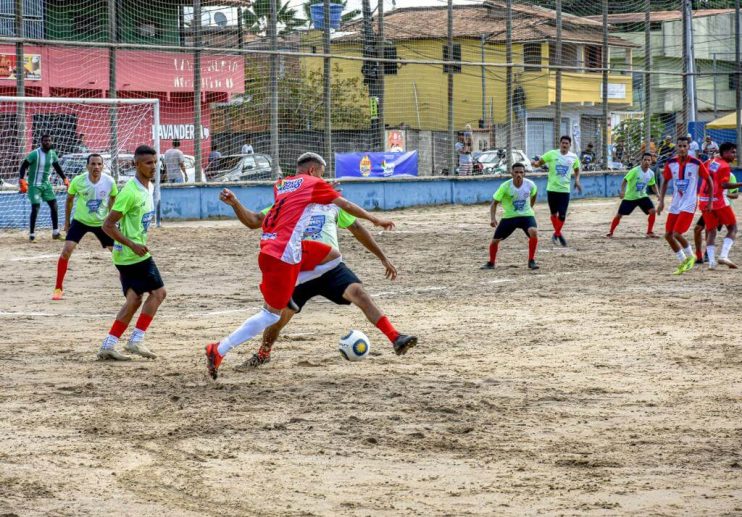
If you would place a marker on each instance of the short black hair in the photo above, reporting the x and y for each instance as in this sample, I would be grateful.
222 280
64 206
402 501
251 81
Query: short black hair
565 137
647 154
93 155
519 164
46 135
727 146
143 150
683 139
176 143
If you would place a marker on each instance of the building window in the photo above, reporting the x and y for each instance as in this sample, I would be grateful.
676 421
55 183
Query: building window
733 81
532 57
593 57
391 53
456 57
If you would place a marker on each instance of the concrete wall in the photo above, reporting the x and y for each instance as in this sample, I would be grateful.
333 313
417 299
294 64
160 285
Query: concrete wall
202 202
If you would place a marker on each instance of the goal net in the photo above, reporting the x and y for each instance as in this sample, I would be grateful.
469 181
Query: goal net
112 128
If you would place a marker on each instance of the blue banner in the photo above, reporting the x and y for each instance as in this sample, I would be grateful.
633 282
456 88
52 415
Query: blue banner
375 165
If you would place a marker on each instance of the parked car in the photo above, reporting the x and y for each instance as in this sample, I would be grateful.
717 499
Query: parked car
240 167
74 163
494 161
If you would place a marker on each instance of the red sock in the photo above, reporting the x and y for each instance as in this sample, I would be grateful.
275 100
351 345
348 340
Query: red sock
387 328
143 322
699 254
532 245
650 222
615 222
61 271
118 328
555 224
493 251
558 226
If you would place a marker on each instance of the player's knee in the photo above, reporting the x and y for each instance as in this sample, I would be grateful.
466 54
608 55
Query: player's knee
652 211
562 217
159 294
355 293
66 252
532 232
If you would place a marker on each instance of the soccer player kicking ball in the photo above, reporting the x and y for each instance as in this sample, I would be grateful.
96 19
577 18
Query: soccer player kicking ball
283 253
133 211
333 280
686 173
95 192
517 195
39 164
562 163
634 194
721 213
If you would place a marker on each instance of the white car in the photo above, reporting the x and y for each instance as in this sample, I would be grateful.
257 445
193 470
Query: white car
494 161
74 163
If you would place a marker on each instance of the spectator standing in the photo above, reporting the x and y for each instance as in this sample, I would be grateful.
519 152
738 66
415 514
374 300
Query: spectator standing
464 148
247 149
710 148
174 160
694 149
214 155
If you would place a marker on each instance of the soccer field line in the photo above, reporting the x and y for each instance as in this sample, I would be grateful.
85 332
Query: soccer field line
34 257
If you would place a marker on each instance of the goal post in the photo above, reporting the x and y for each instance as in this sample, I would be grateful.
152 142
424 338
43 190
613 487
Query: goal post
113 128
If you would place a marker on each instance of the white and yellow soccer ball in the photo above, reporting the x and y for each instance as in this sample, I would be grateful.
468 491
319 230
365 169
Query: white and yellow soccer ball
355 346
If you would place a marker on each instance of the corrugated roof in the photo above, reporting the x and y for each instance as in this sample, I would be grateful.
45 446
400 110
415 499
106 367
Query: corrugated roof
530 24
659 16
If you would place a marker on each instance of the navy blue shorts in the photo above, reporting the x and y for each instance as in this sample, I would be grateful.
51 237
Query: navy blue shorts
142 277
331 285
507 226
558 203
627 206
78 231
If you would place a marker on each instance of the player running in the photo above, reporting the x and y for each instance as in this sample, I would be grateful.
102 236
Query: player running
128 225
686 173
634 194
698 230
283 253
333 280
39 164
95 192
721 212
562 163
517 195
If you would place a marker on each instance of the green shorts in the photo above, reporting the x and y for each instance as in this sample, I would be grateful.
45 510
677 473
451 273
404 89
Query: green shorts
43 192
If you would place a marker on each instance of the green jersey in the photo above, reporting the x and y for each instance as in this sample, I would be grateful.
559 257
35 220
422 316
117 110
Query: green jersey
138 208
324 222
40 166
91 205
516 201
561 167
637 182
732 179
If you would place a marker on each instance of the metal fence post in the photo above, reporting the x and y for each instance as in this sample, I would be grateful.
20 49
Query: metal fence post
382 71
558 86
197 90
327 83
738 82
20 84
112 91
509 84
451 139
647 76
605 84
272 34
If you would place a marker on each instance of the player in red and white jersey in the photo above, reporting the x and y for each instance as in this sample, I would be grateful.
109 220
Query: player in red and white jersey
283 253
686 173
721 212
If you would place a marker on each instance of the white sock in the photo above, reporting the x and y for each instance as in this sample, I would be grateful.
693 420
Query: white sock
55 232
680 255
711 252
688 251
109 342
306 276
252 326
137 336
726 246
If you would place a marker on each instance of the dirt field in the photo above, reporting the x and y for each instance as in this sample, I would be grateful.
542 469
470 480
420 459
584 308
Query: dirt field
600 384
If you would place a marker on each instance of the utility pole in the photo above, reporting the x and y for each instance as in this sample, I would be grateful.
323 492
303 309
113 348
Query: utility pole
197 155
647 76
483 39
20 84
558 93
112 92
327 83
272 35
380 68
451 137
370 71
509 84
605 61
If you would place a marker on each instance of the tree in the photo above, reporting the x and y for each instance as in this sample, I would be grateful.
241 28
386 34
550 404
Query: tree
631 133
256 17
347 16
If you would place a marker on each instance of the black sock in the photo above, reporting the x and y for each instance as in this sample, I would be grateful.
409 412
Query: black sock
55 218
34 215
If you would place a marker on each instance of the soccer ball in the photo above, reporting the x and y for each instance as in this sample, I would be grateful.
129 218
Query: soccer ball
355 346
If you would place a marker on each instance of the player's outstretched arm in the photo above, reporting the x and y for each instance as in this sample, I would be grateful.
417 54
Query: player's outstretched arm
363 236
252 220
109 226
60 173
357 211
623 189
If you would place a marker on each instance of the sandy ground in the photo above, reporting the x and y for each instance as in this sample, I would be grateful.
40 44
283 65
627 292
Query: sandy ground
599 385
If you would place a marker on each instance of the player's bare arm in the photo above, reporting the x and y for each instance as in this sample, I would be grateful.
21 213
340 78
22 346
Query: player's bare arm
252 220
363 236
623 189
359 212
656 191
533 200
58 169
68 211
729 185
578 185
493 214
538 163
663 192
710 193
109 226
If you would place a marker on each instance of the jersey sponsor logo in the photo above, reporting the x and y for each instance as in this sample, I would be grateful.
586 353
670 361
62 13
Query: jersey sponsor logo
313 231
682 185
562 169
93 205
287 186
714 166
640 187
519 204
118 247
268 236
147 220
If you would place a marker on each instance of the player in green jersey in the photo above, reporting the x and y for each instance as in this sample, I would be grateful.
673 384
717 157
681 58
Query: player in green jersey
39 164
94 192
517 196
128 225
634 194
562 163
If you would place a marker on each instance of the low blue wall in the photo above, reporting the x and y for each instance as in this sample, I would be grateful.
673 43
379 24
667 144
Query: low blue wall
202 202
